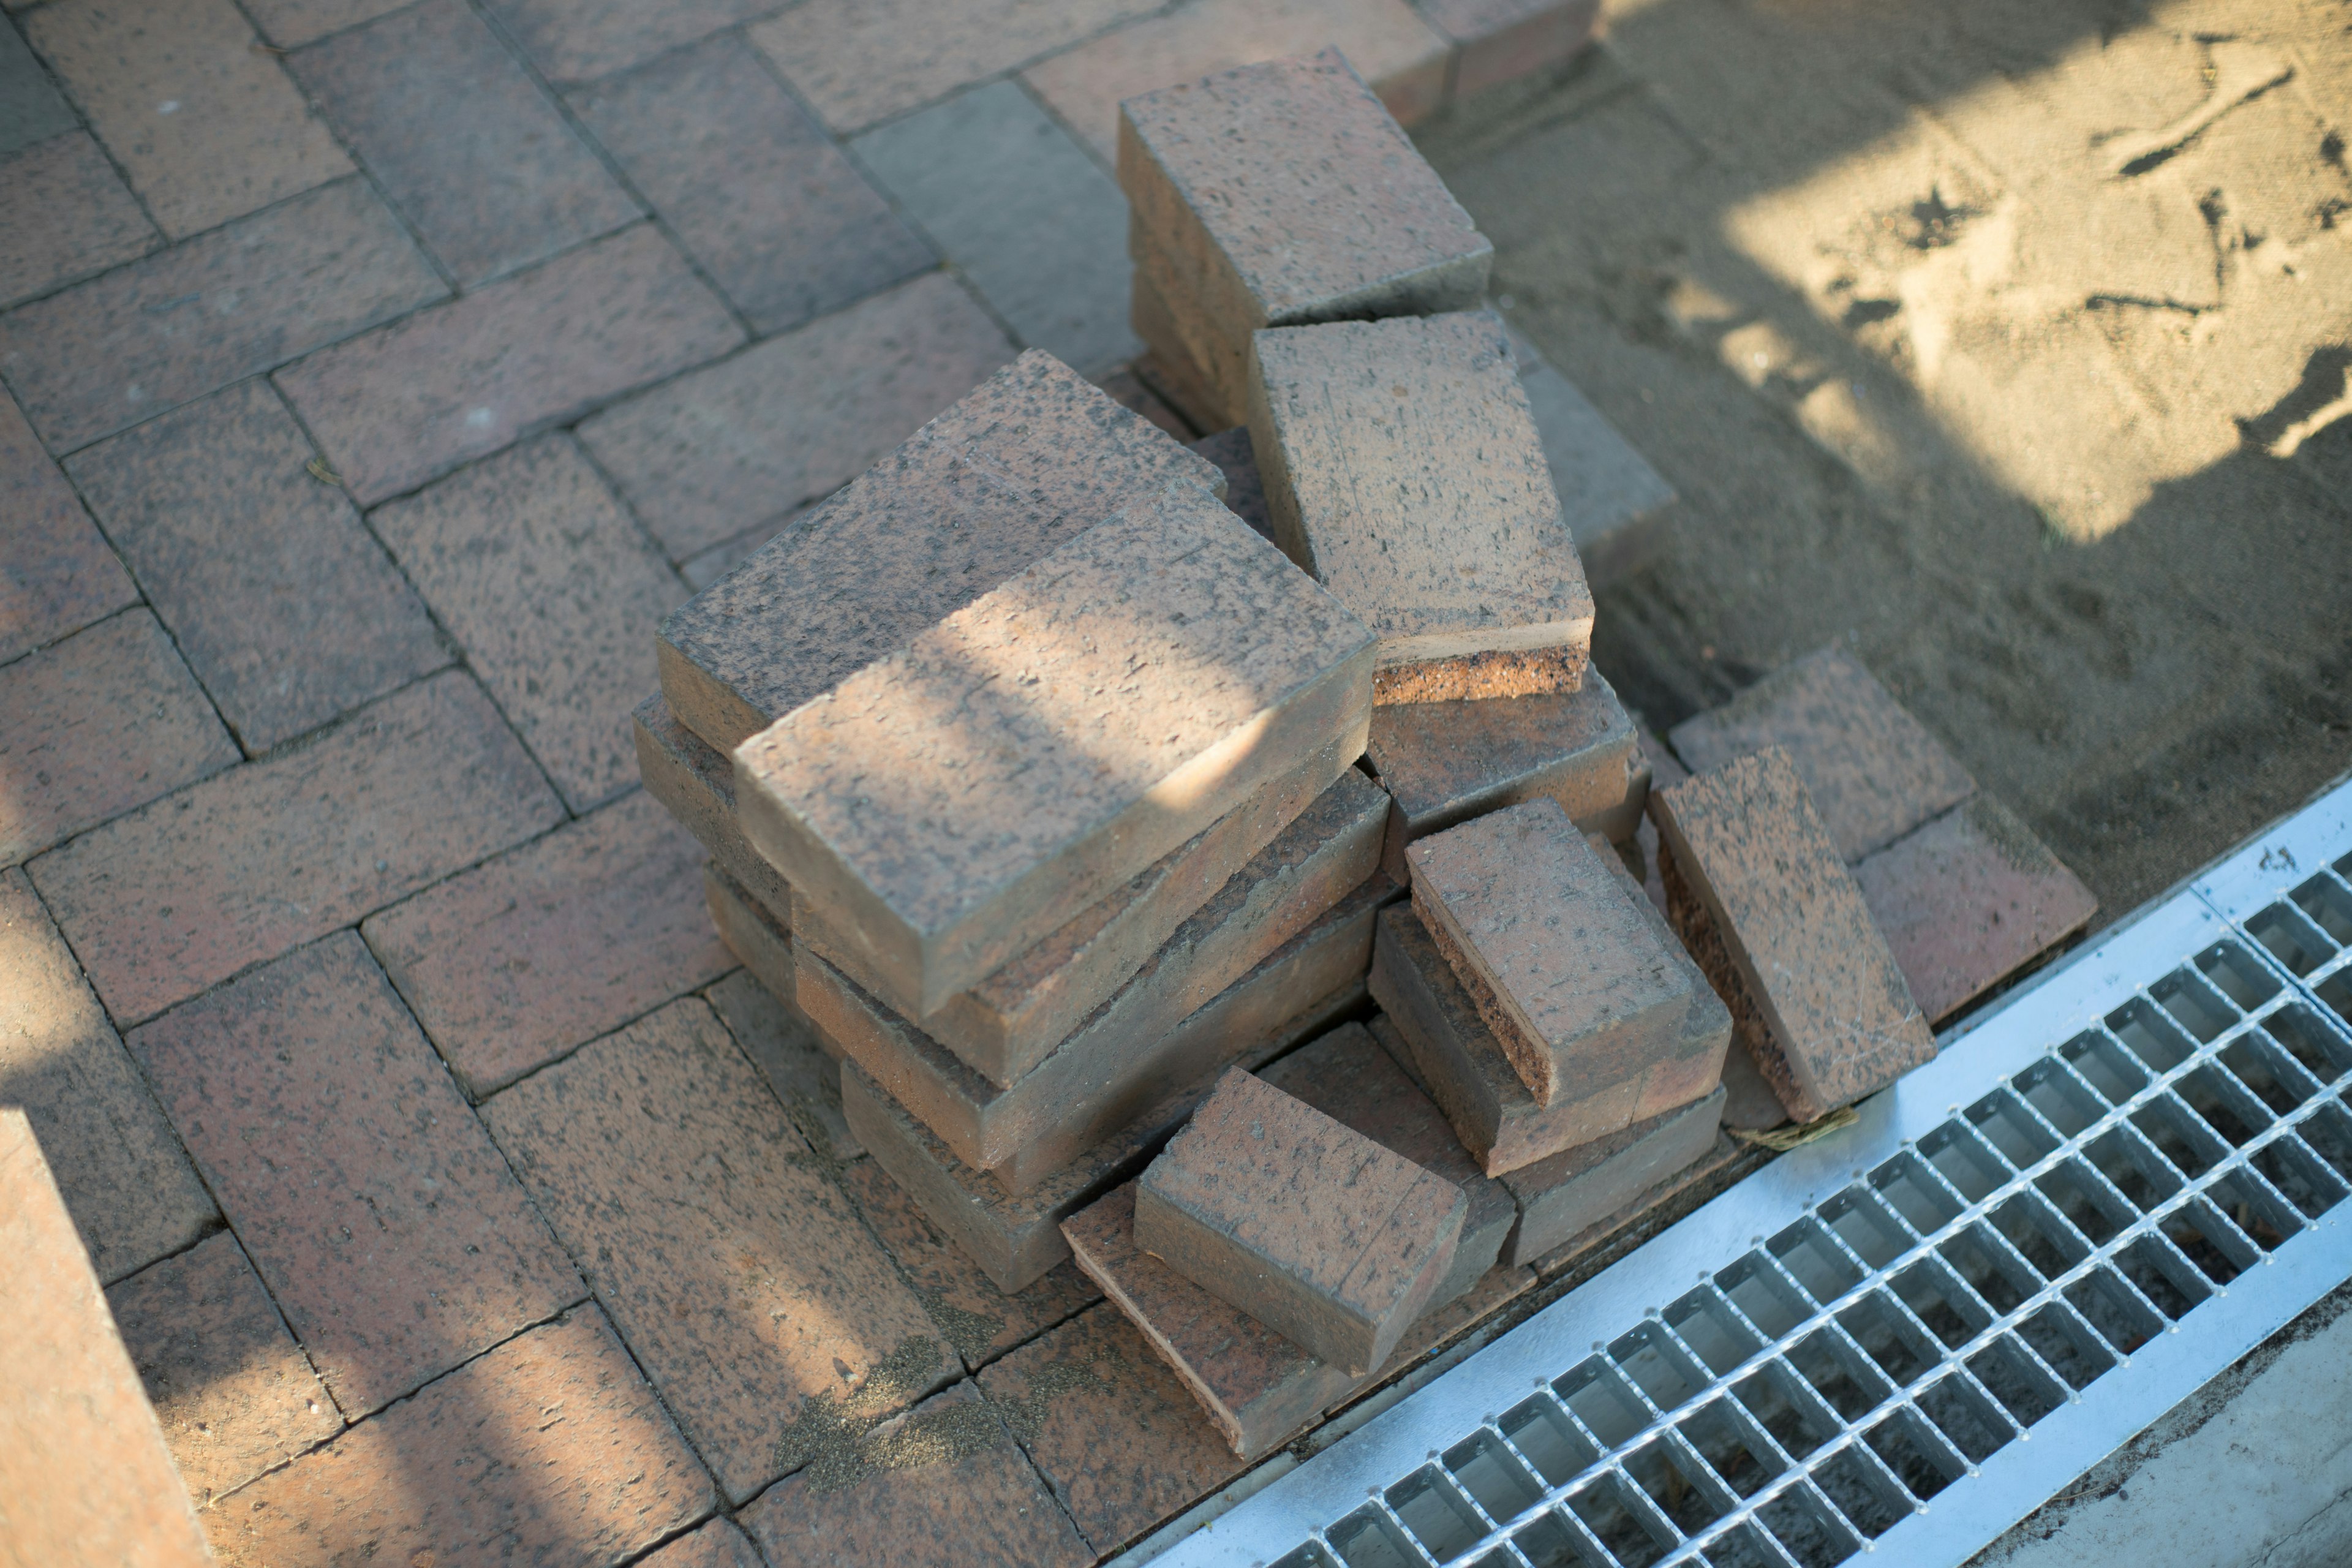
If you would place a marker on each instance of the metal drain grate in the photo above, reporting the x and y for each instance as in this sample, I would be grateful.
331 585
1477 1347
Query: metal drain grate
1910 1335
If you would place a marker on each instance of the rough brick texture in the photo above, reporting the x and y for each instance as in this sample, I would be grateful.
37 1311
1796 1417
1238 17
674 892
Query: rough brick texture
1576 1188
696 785
57 573
804 1076
760 941
90 222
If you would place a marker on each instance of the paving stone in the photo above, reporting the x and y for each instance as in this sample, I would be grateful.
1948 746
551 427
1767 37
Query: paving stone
1613 501
190 320
760 941
1651 1211
552 1446
125 1179
578 41
739 1277
945 1483
206 125
289 23
461 140
183 893
778 1037
1164 666
92 726
1403 472
534 567
1758 889
921 535
742 444
717 1544
1245 489
30 109
366 1192
57 573
985 173
82 1460
1300 878
1561 1195
403 405
1127 389
1871 770
1503 40
1567 971
860 61
289 610
514 962
1020 1013
91 222
231 1389
1969 898
697 784
754 188
1110 1425
1396 51
1749 1101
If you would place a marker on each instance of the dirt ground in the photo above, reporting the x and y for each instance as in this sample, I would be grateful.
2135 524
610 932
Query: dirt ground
2008 343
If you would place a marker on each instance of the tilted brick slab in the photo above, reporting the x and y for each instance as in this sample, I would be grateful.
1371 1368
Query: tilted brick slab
1831 1018
697 785
1028 460
1576 1187
754 935
1566 970
1403 472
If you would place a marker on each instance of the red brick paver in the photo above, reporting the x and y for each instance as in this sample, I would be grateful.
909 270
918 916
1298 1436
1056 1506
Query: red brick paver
579 40
515 962
56 571
717 1544
550 1450
366 1192
89 221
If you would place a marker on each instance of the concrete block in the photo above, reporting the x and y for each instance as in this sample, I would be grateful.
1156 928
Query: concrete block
1578 1187
697 784
1613 501
1767 906
1403 471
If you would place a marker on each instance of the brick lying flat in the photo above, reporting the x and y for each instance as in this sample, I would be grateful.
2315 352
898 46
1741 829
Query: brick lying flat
1283 891
1244 487
1968 899
1767 908
127 1181
580 40
929 529
1872 770
231 1389
269 856
33 112
1403 472
696 785
1578 1187
550 1446
1749 1101
945 1484
366 1193
288 611
760 941
93 222
741 1280
1168 365
57 573
804 1076
289 23
1503 40
720 1543
92 726
82 1460
1563 966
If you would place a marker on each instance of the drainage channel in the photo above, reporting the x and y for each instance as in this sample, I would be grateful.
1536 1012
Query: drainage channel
1908 1336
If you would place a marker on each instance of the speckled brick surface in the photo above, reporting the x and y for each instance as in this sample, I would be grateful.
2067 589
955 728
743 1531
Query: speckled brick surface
1470 677
759 940
1244 487
1504 40
92 223
58 573
697 784
802 1072
1578 1187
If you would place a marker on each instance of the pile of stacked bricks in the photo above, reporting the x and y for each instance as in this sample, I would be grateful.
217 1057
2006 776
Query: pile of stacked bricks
1221 865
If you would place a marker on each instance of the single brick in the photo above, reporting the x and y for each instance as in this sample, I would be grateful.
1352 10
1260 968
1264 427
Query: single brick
1578 1187
579 40
92 726
289 610
206 125
1284 889
1305 1224
90 222
753 187
462 140
1028 460
1967 900
556 595
1832 1018
761 942
1503 40
231 1388
406 404
1110 1425
778 1037
289 23
127 1181
739 1275
1245 489
30 109
1403 473
1872 771
944 1483
512 963
861 61
717 1544
1020 1013
1566 970
738 446
985 173
697 786
183 893
82 1460
364 1189
1051 740
1613 501
552 1446
58 573
188 321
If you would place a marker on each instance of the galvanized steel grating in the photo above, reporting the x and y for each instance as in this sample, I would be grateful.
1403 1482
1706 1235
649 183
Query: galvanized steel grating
1911 1334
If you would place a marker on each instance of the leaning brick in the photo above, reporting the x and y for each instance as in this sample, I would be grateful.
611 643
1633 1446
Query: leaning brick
1581 1187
